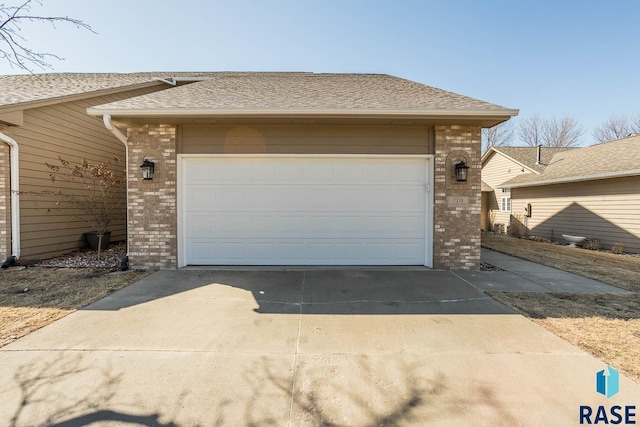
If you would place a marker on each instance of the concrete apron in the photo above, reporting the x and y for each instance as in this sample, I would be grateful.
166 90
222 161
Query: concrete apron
299 347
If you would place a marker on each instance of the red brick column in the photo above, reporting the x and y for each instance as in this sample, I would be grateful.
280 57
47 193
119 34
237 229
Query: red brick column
152 213
456 236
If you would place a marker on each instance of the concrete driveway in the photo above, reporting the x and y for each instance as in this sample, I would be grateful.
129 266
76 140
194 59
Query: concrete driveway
298 347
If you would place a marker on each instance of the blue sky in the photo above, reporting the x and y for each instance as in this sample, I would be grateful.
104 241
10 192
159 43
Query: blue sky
554 58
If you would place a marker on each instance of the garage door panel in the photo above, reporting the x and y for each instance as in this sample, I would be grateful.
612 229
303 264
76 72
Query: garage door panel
408 199
410 173
219 198
279 211
304 225
325 252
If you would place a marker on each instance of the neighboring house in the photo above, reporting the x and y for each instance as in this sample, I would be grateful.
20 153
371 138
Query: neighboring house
592 191
41 117
499 165
303 168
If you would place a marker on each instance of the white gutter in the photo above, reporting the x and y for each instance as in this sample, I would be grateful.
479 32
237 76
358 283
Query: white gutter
372 112
15 199
122 138
114 130
594 177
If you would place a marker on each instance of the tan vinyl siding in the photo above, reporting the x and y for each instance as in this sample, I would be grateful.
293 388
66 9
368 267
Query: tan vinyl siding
485 223
495 171
306 139
607 210
61 129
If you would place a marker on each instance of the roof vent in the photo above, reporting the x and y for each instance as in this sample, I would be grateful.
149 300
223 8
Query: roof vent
539 155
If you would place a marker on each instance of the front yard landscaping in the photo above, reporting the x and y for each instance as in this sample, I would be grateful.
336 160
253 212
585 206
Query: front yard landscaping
605 325
36 296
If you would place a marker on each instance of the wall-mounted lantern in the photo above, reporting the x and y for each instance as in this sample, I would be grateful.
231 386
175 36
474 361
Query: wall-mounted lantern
461 172
147 169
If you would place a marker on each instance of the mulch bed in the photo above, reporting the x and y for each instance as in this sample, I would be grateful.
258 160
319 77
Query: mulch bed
110 258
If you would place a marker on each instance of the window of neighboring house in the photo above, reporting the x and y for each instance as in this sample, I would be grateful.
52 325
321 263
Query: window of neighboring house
505 205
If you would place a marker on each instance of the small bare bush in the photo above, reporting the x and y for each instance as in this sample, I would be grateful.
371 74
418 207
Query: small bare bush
498 228
492 220
591 244
517 228
617 248
94 190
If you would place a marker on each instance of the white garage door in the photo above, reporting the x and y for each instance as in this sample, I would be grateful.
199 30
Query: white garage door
297 210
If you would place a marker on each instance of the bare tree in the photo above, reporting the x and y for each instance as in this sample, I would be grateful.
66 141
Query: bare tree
563 132
501 134
530 130
616 127
636 123
13 45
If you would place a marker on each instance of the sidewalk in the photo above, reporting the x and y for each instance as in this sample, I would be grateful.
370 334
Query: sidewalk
527 276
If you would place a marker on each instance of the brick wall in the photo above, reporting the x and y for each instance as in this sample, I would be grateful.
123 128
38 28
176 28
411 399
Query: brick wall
152 203
5 201
456 237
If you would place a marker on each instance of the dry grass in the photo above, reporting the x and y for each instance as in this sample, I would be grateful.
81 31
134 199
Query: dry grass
52 294
602 324
622 271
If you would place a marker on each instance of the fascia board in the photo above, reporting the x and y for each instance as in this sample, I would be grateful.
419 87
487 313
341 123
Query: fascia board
173 112
633 172
487 155
517 162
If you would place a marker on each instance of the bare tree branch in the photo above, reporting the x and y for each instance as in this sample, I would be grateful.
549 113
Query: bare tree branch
563 132
501 134
13 46
530 130
636 123
616 127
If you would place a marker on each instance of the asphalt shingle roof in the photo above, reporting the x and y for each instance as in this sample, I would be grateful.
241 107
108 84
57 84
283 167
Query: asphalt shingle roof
609 159
24 88
251 91
528 155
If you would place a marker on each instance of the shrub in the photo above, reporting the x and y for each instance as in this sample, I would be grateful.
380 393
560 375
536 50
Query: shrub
517 228
539 239
93 190
591 244
617 248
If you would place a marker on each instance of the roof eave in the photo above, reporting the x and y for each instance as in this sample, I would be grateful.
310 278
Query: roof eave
75 97
497 151
594 177
497 115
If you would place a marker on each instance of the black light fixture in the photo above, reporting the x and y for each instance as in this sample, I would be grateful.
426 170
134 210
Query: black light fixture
147 169
461 172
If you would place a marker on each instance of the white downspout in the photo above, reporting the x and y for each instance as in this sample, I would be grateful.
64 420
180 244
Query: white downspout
15 199
122 138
